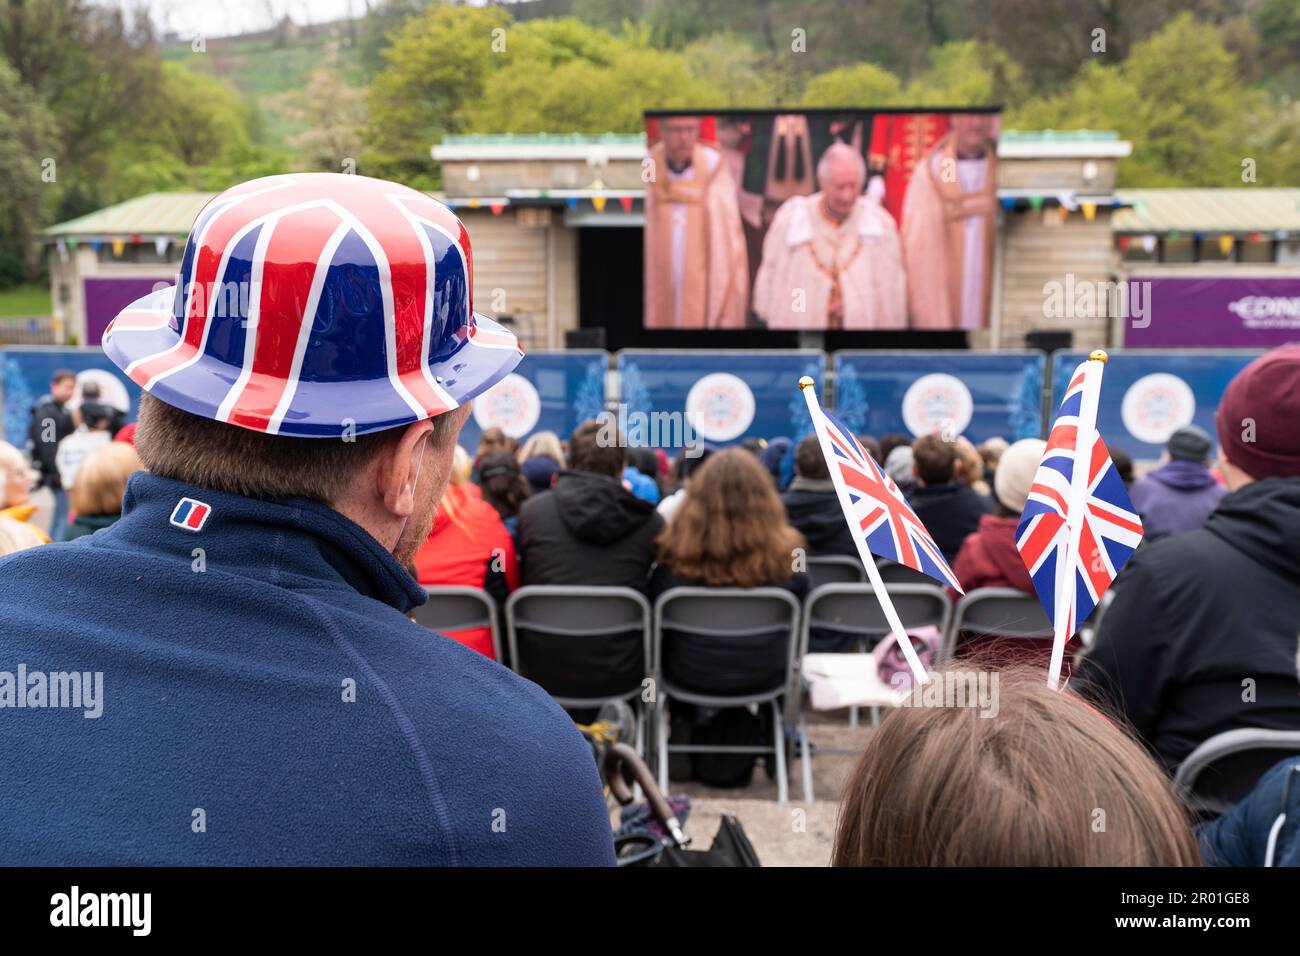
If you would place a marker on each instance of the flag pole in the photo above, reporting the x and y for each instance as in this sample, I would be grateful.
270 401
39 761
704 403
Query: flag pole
808 387
1084 438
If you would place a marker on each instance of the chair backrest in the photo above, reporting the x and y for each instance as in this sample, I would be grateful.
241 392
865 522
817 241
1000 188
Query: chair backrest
891 572
852 609
834 569
1223 769
998 612
452 608
738 630
584 645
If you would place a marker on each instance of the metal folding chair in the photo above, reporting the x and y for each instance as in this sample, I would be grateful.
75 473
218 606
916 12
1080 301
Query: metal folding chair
730 617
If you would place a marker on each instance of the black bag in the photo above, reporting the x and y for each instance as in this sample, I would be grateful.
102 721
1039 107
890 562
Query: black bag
730 848
731 727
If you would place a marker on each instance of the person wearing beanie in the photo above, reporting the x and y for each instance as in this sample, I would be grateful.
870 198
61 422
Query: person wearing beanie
898 465
988 557
1180 494
1201 636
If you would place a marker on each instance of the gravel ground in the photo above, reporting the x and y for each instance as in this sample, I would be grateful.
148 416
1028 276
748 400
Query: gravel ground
791 834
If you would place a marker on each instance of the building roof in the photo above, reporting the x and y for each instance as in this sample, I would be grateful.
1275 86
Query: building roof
1013 144
1245 209
152 215
1062 143
535 146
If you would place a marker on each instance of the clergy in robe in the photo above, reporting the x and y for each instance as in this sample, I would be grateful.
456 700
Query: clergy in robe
696 267
949 226
832 260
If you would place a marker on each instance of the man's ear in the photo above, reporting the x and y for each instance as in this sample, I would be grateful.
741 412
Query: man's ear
400 469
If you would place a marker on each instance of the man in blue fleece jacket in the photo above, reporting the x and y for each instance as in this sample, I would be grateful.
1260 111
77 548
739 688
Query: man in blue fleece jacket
249 689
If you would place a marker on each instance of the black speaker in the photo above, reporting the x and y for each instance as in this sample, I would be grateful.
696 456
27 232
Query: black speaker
1049 340
584 338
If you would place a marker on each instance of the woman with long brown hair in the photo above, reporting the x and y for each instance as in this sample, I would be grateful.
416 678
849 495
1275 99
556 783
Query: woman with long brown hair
730 531
1013 775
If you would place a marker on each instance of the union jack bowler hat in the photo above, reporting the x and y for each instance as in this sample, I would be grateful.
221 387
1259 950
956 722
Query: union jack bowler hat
316 305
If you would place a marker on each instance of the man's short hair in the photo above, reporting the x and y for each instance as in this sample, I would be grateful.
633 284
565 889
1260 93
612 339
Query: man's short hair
588 452
61 374
809 462
201 451
934 459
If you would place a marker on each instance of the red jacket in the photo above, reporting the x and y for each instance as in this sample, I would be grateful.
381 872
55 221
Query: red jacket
467 534
988 559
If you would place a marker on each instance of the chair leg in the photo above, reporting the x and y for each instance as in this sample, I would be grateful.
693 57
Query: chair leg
778 730
805 757
661 732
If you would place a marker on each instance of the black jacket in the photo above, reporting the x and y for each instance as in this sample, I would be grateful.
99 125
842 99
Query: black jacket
949 512
41 450
1197 615
588 529
814 509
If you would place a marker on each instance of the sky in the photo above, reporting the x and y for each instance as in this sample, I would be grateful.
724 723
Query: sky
214 18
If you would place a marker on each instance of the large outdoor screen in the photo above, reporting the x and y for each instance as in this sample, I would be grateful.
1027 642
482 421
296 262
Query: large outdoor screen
849 220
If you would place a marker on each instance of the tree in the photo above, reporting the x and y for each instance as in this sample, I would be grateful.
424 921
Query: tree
1182 103
436 64
334 113
28 140
968 73
864 85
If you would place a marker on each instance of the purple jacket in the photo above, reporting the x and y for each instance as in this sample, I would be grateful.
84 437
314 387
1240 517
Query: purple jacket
1176 497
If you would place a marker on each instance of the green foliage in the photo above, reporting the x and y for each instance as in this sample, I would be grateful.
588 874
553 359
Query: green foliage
968 73
1181 102
437 64
863 84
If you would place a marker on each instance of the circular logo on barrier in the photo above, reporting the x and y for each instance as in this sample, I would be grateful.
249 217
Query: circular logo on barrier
1156 405
511 405
720 407
937 403
111 390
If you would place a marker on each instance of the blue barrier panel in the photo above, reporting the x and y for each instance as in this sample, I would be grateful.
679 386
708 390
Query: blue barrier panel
726 396
979 395
548 391
1146 395
27 371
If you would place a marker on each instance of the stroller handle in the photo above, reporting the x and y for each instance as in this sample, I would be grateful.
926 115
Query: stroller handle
619 755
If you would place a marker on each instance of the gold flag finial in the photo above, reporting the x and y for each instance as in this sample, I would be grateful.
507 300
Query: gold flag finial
806 382
1098 355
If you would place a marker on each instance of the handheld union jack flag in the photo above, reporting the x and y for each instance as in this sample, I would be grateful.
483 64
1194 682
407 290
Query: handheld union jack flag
883 523
1078 527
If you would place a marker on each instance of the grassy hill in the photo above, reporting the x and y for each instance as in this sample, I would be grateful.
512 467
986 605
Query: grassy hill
265 66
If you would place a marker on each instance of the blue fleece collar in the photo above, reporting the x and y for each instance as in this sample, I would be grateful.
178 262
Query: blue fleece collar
287 541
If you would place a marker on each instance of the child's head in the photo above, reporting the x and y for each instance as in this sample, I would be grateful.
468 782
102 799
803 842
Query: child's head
1045 781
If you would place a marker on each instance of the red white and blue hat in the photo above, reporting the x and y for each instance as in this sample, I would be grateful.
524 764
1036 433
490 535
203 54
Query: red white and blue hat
316 305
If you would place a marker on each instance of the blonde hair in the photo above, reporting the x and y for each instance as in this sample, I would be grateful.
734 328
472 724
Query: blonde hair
13 461
543 445
101 480
18 536
461 464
